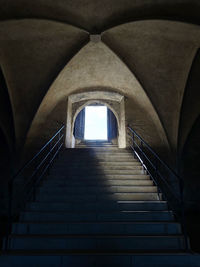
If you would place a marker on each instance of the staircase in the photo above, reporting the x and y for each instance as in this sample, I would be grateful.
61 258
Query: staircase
97 207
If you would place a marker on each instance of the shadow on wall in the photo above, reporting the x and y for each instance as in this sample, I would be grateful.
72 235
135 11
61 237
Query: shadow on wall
190 163
42 130
6 112
5 174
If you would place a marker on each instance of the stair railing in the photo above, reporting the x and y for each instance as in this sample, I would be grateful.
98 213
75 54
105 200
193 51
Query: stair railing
23 185
168 182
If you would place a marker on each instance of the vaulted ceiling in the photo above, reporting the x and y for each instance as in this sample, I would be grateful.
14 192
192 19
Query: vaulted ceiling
148 51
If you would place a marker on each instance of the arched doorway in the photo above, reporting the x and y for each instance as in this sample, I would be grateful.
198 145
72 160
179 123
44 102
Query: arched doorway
96 122
115 115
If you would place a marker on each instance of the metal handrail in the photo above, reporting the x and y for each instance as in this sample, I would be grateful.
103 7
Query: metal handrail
180 181
37 154
34 177
138 151
154 153
160 175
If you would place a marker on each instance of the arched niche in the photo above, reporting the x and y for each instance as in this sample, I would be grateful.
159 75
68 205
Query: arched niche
114 101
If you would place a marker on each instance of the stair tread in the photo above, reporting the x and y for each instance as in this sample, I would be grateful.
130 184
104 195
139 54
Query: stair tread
110 186
63 252
94 236
96 212
101 222
120 202
99 185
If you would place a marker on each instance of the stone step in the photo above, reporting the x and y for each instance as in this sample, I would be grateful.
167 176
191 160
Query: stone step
96 182
98 177
94 197
97 150
91 161
93 142
95 189
89 150
53 258
95 155
92 152
98 206
99 142
83 216
99 164
96 168
94 146
108 228
97 243
99 157
97 172
93 158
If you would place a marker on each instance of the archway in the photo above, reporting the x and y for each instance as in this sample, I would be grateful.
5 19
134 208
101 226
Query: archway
101 124
113 101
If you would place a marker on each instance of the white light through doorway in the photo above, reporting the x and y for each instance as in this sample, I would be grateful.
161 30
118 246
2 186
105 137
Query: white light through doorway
95 123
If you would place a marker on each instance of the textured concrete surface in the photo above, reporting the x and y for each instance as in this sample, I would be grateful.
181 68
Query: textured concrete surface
32 53
96 16
160 54
96 67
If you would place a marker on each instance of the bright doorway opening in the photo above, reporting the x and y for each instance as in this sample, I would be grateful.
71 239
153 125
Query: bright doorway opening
96 123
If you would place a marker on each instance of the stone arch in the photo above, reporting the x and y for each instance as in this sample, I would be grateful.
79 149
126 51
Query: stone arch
114 101
91 102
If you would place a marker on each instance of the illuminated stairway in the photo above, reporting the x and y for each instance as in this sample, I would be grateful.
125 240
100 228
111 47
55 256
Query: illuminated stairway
97 208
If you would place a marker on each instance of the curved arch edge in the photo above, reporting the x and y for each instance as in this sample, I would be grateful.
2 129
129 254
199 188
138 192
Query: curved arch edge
100 97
